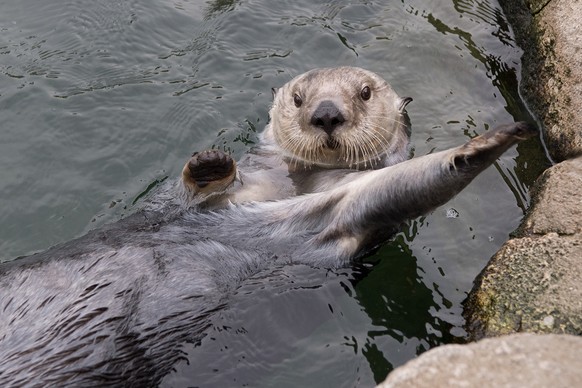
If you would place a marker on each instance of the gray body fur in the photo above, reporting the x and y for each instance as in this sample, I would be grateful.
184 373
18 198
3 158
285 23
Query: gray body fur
114 307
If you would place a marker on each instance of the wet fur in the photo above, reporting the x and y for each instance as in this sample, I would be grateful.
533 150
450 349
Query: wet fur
295 157
375 132
114 308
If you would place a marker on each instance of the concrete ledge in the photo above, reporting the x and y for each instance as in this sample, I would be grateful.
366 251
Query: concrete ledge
556 201
549 33
519 360
534 283
531 285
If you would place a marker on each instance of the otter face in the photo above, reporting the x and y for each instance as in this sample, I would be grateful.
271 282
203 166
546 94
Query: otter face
342 117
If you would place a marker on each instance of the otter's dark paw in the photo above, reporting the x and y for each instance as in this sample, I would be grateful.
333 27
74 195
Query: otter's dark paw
209 166
209 171
484 149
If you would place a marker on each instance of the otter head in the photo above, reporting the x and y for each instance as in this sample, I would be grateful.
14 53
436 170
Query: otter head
342 117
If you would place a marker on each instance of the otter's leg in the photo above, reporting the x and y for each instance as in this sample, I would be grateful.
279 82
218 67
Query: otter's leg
208 172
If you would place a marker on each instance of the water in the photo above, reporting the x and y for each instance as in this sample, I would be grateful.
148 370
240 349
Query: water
102 99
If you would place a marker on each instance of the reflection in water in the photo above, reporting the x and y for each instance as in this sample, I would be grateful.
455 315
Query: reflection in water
502 76
385 290
504 79
489 14
216 7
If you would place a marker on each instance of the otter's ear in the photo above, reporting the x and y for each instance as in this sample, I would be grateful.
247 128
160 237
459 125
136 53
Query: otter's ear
403 102
274 91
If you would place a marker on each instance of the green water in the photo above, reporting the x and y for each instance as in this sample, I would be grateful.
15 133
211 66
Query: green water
100 99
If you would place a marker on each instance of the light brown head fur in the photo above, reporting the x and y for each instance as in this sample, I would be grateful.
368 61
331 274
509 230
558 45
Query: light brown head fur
367 129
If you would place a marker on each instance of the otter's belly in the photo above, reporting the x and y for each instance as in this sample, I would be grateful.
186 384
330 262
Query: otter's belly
263 185
115 306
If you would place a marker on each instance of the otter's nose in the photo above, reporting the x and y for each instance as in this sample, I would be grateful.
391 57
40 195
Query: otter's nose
327 116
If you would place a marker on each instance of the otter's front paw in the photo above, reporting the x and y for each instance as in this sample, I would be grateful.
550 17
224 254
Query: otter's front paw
209 171
484 149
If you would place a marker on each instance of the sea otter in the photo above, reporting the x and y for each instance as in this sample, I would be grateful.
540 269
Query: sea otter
324 125
115 307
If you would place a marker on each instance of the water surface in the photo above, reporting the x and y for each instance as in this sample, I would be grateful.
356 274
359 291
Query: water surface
101 99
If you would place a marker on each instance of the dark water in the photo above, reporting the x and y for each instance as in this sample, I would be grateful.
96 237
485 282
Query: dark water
101 99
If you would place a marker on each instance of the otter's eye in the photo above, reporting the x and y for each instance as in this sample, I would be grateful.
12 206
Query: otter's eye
366 93
297 100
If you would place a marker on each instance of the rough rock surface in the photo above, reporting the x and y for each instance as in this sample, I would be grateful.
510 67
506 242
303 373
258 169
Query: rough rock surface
534 283
549 32
557 201
519 360
531 285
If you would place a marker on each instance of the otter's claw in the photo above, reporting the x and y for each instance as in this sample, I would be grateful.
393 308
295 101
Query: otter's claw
208 166
520 131
484 149
209 171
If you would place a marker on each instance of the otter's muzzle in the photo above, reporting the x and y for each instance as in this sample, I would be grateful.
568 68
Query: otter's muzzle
327 116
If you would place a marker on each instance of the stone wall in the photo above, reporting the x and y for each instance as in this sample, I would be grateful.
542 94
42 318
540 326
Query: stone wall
534 283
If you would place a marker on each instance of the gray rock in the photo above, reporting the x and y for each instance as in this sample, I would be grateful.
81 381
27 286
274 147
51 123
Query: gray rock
550 34
532 284
557 201
518 360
